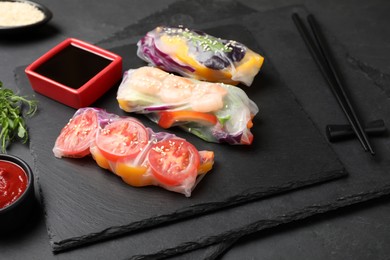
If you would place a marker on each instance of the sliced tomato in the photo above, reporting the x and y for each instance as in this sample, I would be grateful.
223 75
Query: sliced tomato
168 118
173 160
123 138
76 137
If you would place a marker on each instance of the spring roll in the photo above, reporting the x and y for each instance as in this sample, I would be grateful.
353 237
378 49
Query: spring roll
195 54
215 112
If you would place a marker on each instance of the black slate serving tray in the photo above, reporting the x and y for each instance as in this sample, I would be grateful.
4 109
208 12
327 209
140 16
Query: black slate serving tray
84 203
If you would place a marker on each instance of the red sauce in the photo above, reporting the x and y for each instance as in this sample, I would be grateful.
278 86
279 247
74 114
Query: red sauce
13 182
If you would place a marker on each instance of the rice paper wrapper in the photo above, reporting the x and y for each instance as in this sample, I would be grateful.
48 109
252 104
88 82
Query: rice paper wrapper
137 168
198 55
215 112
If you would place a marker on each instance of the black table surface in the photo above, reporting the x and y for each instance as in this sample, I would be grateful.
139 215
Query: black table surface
357 232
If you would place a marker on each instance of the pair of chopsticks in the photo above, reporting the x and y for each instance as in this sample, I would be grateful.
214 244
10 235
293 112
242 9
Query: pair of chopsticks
321 54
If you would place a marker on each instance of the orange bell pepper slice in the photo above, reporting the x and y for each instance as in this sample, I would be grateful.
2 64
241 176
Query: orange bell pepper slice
169 118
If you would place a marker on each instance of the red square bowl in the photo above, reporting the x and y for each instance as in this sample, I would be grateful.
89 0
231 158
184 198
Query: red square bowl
75 73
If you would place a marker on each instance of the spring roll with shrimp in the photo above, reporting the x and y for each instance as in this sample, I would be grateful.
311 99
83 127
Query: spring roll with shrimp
215 112
198 55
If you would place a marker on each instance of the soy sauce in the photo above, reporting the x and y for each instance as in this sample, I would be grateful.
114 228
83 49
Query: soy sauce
73 66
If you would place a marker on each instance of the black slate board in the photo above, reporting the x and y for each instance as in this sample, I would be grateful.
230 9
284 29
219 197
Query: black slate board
84 203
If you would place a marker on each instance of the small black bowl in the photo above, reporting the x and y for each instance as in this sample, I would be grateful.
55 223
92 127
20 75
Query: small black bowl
28 27
17 214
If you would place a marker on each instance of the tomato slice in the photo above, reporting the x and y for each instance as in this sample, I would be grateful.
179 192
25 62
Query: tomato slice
123 138
168 118
76 137
173 160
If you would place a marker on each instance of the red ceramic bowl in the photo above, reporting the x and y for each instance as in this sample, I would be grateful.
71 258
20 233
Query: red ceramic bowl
75 73
17 197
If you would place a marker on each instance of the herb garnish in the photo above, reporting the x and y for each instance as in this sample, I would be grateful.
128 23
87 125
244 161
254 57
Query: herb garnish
12 123
207 42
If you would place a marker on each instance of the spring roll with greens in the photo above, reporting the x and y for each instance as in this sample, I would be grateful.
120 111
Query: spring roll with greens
215 112
195 54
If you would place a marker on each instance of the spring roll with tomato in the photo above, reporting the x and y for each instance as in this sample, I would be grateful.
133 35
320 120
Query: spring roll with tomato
215 112
137 154
77 135
195 54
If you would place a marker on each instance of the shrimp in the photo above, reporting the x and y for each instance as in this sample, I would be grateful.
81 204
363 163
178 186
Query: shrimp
208 87
147 80
209 102
172 89
207 97
176 89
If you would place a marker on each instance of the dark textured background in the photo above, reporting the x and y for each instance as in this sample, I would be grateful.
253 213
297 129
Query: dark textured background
357 28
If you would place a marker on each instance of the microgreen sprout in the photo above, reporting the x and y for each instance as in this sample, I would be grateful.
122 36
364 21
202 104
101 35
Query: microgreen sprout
12 123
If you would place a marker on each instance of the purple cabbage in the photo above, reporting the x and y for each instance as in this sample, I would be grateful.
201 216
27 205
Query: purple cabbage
148 51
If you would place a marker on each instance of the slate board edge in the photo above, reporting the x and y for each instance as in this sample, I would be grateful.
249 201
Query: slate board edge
262 224
112 232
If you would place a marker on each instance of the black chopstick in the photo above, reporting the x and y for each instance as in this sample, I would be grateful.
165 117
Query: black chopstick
321 55
328 57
